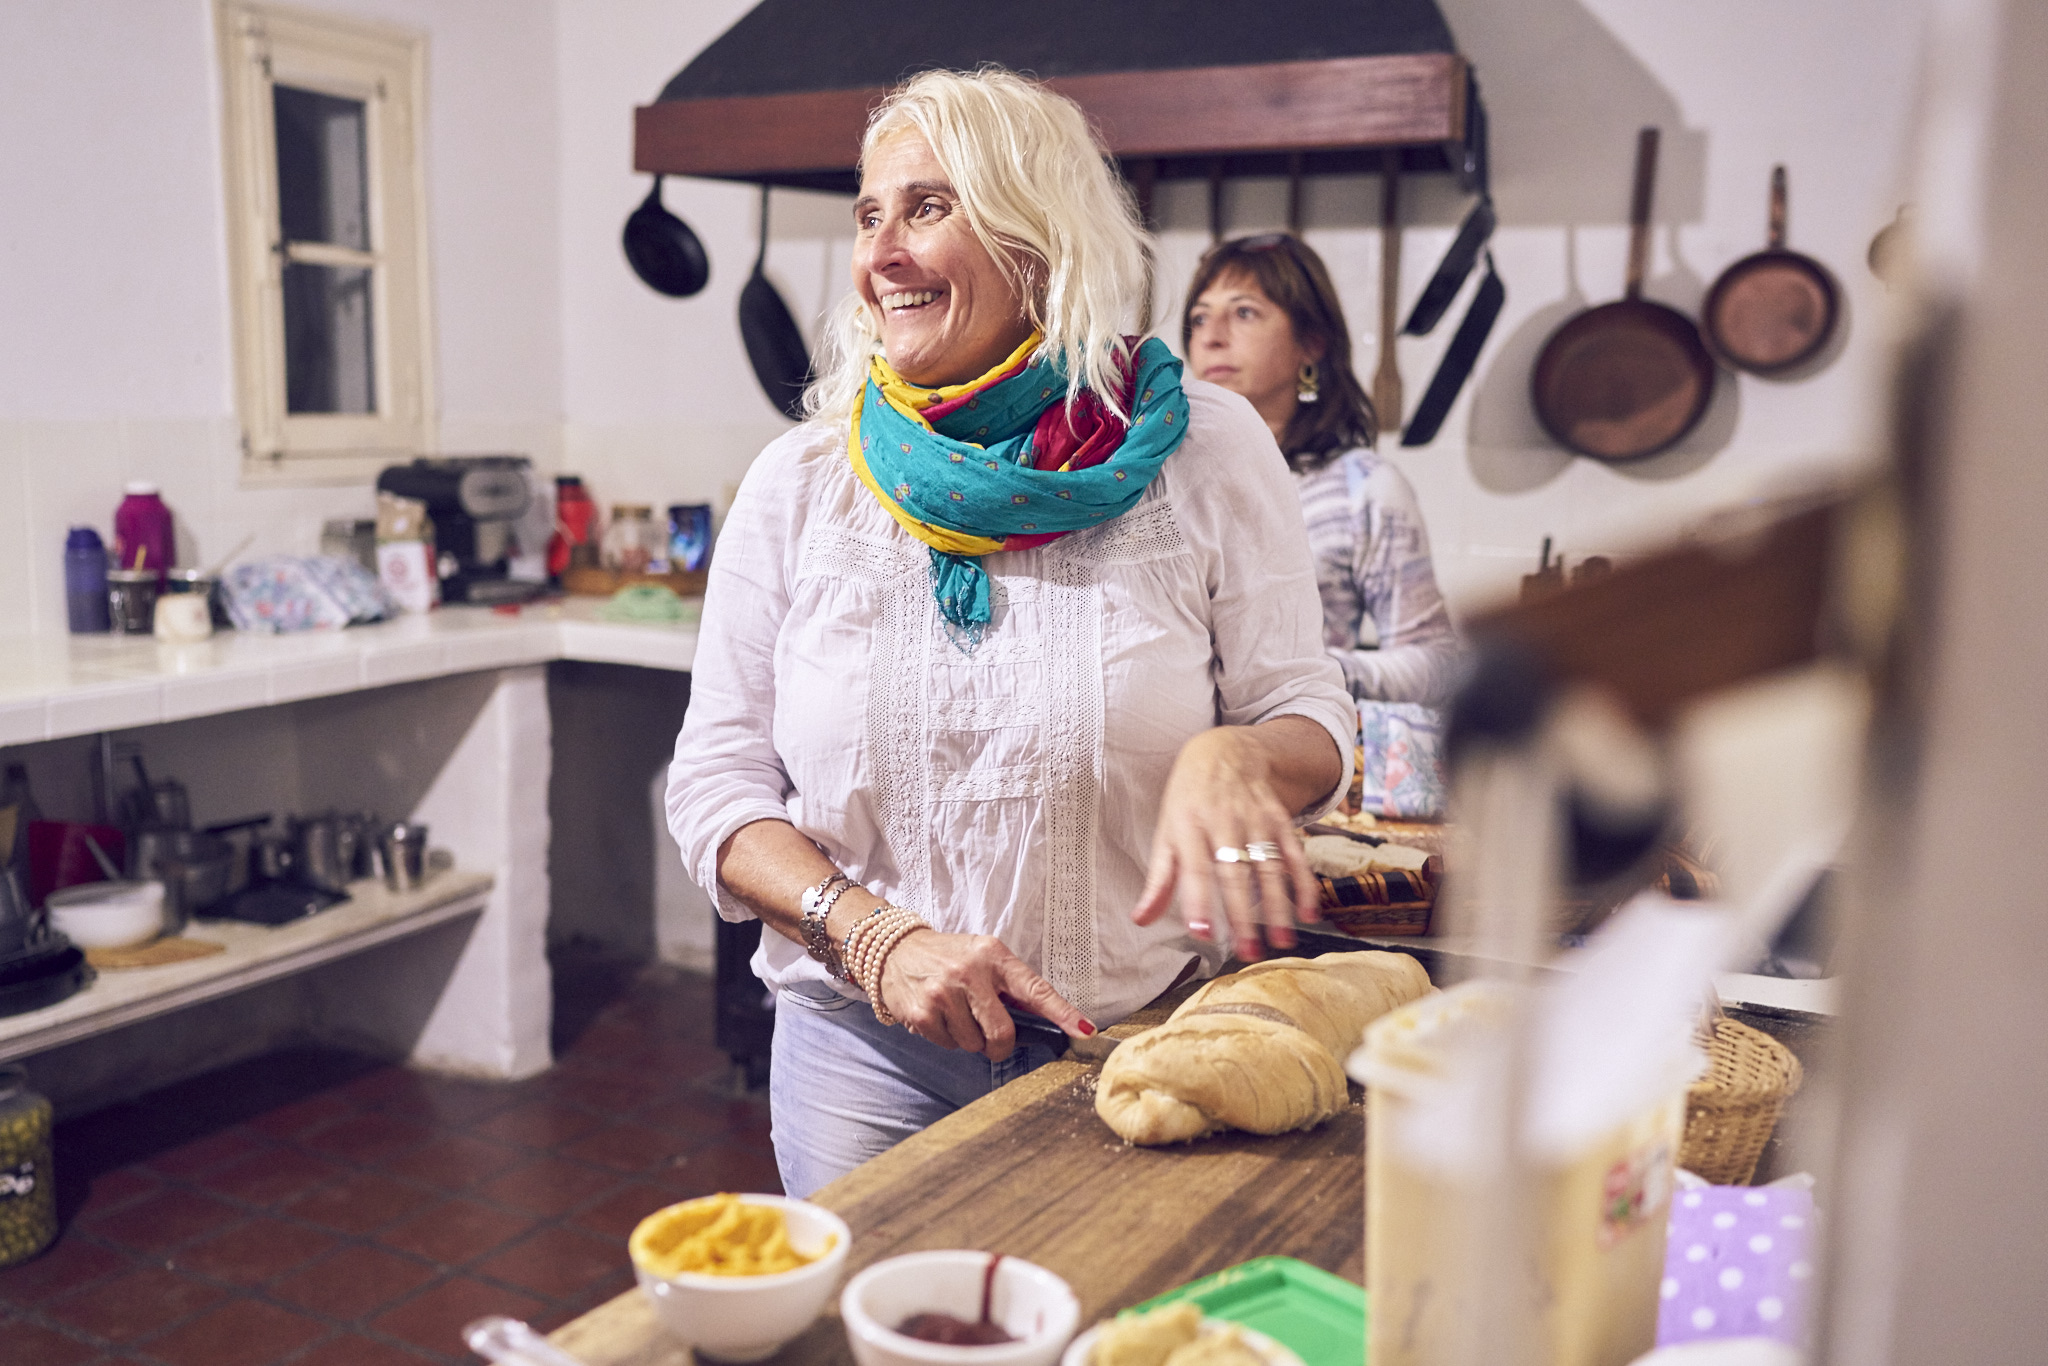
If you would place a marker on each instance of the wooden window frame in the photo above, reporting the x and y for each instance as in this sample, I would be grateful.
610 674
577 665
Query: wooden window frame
262 45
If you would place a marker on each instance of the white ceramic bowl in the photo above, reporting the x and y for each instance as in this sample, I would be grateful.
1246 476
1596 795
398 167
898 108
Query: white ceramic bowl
1034 1306
745 1318
108 915
1271 1352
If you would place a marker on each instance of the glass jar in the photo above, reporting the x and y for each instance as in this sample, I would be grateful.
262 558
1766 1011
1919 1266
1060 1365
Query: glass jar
131 601
28 1192
633 543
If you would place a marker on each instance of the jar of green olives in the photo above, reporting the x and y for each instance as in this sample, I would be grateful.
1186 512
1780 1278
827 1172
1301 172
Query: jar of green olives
28 1195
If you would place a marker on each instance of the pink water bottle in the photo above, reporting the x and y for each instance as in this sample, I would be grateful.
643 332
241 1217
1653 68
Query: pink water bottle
142 530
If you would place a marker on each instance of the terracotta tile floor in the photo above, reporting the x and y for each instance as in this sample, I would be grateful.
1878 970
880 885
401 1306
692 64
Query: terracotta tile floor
314 1207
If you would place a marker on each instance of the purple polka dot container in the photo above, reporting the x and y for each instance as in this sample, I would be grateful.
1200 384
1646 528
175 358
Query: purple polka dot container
1738 1263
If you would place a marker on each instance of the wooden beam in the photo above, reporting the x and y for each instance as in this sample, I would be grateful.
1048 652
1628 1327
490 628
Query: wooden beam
1344 102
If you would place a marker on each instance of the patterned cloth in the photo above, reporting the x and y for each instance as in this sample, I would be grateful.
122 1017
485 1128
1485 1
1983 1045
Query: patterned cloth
1372 561
1004 462
302 593
1401 770
1737 1263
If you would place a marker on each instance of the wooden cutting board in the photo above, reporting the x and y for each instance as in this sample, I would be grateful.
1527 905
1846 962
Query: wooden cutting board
1032 1172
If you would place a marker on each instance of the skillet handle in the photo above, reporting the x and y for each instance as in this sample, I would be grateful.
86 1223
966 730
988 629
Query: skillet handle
1777 208
1639 211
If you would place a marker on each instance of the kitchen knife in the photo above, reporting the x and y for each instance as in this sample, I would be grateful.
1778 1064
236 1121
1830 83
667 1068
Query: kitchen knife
1450 275
1456 366
1473 233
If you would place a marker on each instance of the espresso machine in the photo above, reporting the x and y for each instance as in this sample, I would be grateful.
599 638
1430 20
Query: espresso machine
475 503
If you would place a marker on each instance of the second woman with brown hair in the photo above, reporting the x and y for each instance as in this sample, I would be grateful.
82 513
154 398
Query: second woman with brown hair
1263 320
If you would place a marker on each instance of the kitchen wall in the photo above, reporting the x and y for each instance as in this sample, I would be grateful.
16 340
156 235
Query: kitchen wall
115 364
660 404
114 344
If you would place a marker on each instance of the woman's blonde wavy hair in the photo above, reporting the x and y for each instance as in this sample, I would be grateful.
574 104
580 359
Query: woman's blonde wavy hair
1038 190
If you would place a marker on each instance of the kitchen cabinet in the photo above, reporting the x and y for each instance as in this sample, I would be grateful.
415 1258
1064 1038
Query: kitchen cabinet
443 719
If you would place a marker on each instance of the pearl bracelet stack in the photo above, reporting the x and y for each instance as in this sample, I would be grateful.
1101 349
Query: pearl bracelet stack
868 946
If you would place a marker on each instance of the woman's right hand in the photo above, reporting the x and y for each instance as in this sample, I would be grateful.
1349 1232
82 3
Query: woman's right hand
950 989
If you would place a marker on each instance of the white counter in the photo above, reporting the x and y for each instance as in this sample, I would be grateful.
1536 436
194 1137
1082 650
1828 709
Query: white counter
466 749
52 687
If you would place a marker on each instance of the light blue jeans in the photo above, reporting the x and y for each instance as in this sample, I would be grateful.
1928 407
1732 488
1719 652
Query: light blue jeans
843 1087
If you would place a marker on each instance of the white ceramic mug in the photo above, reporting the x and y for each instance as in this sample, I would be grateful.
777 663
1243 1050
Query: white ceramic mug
183 616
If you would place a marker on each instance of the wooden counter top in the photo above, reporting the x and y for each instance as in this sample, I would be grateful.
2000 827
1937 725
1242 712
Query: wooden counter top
1032 1172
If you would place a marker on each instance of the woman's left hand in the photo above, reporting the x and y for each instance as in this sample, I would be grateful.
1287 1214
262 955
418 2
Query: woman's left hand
1226 843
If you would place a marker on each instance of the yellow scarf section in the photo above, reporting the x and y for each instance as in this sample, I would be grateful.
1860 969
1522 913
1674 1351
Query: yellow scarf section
911 401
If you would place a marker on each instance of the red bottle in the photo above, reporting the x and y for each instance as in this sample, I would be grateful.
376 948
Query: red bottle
142 530
575 521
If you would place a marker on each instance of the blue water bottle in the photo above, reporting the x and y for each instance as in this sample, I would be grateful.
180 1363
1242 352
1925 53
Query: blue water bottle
85 581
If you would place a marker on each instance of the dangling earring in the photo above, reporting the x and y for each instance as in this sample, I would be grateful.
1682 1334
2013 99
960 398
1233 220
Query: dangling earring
1305 387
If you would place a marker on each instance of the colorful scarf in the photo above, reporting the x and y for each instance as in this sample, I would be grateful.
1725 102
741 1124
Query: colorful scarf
1002 462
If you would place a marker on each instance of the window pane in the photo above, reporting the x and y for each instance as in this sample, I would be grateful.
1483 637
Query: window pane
327 340
322 173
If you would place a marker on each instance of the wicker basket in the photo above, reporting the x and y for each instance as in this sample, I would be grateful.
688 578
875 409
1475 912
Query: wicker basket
1731 1111
1381 903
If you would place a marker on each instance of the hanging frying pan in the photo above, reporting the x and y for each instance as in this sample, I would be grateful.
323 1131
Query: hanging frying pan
1773 310
662 250
1630 377
774 345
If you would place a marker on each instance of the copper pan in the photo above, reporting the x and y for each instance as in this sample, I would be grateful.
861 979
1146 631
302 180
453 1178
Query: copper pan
1631 377
1775 309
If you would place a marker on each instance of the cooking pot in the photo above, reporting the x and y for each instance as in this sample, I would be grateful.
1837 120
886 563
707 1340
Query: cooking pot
193 866
331 850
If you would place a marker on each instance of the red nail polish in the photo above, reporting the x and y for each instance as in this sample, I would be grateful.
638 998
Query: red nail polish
1087 1028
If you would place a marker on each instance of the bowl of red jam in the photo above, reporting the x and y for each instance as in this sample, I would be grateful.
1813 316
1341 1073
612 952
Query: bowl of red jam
957 1308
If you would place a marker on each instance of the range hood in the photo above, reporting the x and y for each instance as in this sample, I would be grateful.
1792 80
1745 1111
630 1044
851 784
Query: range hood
1179 88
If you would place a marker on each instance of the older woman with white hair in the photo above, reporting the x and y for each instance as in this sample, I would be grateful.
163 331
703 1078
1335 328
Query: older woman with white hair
1011 649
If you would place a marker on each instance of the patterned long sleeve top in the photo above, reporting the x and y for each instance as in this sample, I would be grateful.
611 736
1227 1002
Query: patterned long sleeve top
1371 554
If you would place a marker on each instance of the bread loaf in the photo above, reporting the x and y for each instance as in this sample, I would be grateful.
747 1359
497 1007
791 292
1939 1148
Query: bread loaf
1337 856
1260 1050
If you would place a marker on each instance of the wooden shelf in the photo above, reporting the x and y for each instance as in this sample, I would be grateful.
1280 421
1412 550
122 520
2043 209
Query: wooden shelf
255 954
1329 110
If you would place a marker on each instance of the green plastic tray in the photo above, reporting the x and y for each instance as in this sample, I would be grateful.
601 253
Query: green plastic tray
1320 1316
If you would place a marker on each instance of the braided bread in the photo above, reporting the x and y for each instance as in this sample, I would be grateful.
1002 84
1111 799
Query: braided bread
1260 1050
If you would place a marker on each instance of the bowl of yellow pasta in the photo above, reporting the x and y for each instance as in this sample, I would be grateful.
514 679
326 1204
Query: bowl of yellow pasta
737 1276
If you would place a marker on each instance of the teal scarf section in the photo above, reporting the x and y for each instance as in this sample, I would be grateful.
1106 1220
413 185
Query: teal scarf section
976 473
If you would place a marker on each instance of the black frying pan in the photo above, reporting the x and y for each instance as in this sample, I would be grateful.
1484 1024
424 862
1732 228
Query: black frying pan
1631 377
1773 310
662 250
774 345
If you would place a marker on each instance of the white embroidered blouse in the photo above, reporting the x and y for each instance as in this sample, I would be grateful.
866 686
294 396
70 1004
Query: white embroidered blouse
1012 790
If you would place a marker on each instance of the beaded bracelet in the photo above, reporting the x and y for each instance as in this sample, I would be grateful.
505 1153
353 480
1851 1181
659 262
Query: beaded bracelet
868 949
864 948
849 947
882 951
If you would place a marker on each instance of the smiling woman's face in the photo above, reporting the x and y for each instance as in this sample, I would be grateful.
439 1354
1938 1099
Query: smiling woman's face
944 310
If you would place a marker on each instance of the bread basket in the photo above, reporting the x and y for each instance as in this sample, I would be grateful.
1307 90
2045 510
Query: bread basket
1731 1111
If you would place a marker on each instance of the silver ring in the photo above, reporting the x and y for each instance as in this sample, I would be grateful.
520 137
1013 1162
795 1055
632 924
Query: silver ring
1262 851
1229 855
